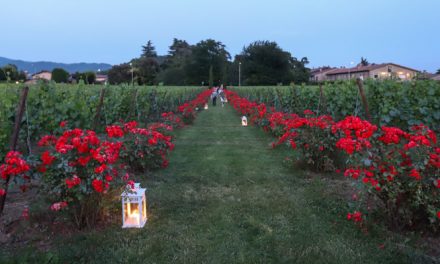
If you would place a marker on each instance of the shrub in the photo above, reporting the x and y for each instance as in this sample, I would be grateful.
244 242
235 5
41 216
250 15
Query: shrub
188 113
400 169
311 136
16 168
79 171
143 148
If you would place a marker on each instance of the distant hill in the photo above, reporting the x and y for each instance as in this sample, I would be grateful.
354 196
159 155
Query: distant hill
33 67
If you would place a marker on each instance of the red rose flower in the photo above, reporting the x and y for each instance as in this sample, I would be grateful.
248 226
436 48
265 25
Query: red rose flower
100 169
114 131
47 158
108 178
73 182
98 185
415 174
131 184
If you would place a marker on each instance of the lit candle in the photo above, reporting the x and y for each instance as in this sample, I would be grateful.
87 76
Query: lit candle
134 217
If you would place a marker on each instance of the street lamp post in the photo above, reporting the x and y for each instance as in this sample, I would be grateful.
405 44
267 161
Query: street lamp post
239 74
132 80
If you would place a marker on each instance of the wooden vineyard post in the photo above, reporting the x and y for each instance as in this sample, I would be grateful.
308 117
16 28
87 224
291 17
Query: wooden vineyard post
322 98
98 109
14 139
360 85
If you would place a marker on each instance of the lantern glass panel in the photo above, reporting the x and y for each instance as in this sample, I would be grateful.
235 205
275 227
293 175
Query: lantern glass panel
144 210
132 214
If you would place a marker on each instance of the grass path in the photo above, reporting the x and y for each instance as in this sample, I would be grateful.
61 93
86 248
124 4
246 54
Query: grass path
227 198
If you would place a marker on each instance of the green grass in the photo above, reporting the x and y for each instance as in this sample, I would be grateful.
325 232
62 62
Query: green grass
227 198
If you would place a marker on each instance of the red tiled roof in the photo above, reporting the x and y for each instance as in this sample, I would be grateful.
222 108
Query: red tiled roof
321 70
365 68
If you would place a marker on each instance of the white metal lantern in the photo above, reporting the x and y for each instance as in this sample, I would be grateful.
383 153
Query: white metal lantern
206 106
134 207
244 121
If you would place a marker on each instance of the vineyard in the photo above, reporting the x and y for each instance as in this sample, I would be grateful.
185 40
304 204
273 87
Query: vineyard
393 154
92 137
391 103
47 105
330 176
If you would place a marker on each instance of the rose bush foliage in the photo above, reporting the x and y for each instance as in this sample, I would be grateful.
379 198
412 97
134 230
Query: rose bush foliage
400 169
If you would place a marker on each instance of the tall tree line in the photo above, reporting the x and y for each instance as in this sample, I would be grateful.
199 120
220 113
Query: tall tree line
209 63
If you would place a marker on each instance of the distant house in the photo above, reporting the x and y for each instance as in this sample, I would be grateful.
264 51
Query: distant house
436 77
319 74
42 75
373 71
101 78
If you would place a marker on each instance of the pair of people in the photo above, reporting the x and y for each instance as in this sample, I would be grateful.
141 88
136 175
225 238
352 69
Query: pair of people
218 92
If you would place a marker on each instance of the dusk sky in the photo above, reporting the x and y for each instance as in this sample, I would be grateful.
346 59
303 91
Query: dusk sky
328 32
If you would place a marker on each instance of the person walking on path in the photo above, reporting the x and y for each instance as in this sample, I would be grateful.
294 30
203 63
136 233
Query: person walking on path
214 96
221 94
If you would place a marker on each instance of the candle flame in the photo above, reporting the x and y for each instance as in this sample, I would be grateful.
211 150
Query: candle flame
134 214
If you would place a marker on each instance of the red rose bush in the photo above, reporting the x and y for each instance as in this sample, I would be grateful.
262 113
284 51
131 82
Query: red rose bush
79 170
400 170
15 167
143 148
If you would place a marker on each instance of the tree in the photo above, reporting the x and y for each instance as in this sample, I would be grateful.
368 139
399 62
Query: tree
149 51
301 74
178 51
22 76
88 77
438 71
173 71
120 74
172 76
9 72
59 75
147 69
206 54
233 70
364 62
147 66
265 63
3 76
211 76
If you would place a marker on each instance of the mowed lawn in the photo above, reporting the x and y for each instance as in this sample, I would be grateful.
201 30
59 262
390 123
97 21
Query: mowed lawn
227 197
